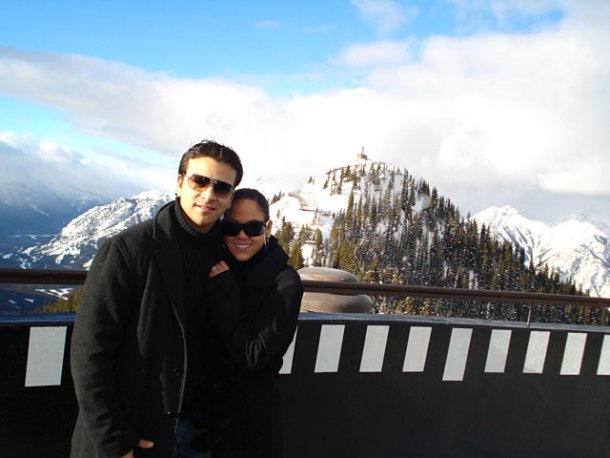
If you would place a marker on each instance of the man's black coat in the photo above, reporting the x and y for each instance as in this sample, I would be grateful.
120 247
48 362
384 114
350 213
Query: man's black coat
129 350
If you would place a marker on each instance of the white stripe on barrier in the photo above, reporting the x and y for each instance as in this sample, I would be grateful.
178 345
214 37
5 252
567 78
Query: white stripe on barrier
47 346
45 356
329 348
289 356
498 351
374 348
536 352
603 366
573 353
457 355
417 349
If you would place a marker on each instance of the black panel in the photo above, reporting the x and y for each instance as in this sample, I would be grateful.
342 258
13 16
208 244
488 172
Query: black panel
387 414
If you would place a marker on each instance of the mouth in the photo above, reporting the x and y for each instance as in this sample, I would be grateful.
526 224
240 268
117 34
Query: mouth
242 246
205 207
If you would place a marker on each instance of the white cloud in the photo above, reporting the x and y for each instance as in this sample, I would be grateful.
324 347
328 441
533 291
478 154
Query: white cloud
31 160
380 53
385 15
485 118
515 107
486 14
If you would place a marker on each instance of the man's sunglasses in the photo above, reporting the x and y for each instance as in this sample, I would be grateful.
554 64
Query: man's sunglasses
200 183
251 228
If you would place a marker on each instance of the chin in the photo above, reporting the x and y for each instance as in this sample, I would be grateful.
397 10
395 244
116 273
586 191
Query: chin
240 256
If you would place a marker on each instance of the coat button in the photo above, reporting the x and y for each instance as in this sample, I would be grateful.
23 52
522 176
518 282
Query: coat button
177 372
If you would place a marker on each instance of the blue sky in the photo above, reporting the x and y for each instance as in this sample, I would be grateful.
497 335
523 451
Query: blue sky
495 102
203 38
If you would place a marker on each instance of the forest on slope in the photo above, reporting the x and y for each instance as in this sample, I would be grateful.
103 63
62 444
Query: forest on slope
398 230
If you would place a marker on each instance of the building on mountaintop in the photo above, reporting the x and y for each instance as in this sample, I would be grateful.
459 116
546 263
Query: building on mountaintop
361 156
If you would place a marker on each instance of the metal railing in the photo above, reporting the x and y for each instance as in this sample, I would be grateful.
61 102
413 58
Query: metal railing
77 277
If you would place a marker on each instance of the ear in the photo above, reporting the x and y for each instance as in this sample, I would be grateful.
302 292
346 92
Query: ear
268 230
180 182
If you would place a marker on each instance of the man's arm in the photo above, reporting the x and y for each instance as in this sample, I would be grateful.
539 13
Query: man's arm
99 331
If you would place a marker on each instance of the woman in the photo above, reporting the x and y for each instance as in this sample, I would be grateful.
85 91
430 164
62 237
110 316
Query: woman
255 297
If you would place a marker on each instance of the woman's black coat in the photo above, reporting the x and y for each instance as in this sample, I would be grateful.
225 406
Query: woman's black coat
254 314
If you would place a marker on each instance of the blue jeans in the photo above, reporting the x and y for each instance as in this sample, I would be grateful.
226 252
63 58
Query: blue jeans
185 433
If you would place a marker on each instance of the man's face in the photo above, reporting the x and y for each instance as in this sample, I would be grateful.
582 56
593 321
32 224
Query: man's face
204 208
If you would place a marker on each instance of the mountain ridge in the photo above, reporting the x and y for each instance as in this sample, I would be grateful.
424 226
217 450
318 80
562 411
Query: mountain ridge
76 244
316 206
575 248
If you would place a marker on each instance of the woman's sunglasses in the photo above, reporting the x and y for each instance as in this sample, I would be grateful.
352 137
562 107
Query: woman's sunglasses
251 228
200 183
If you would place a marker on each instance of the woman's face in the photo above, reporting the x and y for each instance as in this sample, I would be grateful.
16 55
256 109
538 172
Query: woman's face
242 246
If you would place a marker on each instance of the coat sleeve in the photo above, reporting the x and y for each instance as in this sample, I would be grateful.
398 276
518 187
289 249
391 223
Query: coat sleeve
256 341
99 328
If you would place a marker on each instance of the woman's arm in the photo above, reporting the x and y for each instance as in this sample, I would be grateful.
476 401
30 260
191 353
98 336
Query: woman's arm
253 342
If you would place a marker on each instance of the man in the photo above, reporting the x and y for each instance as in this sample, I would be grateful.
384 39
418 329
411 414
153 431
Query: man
137 333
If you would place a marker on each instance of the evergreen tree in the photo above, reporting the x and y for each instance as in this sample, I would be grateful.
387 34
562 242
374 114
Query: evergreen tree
285 236
413 235
276 198
68 303
296 259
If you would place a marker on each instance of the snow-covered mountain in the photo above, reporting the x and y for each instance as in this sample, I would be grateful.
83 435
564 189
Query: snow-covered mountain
576 248
77 243
74 247
316 203
38 209
45 186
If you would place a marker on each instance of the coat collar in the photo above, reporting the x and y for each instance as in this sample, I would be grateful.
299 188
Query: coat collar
263 273
168 257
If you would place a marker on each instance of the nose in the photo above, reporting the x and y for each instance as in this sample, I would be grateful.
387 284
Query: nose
208 192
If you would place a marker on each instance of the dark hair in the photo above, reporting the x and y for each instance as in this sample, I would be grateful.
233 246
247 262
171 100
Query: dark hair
217 151
254 195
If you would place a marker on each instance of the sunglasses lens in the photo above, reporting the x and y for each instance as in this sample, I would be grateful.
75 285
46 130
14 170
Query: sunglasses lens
222 189
251 229
254 228
229 228
200 182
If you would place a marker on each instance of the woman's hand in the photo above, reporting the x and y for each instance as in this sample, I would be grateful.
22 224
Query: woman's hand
218 268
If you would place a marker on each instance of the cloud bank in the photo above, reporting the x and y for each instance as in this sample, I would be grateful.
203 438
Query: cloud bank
489 118
47 165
